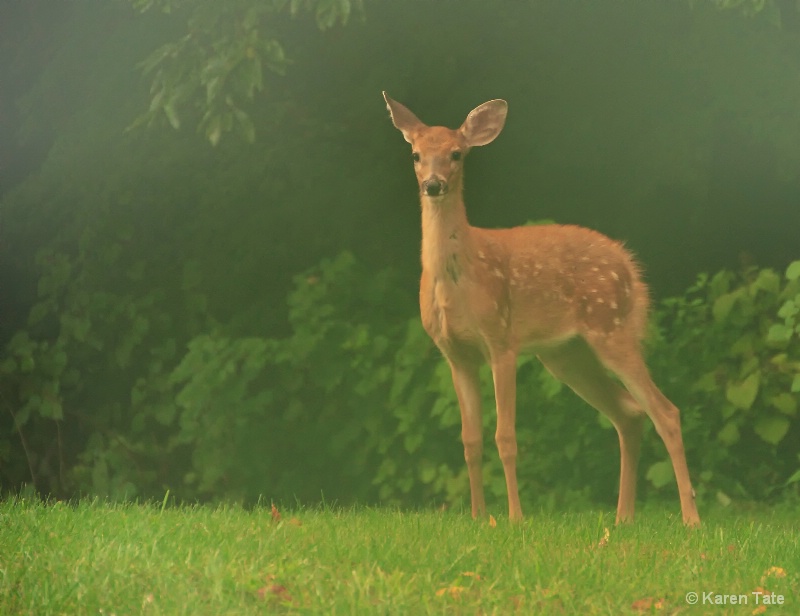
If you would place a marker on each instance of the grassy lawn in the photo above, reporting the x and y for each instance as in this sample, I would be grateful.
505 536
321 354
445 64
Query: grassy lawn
95 558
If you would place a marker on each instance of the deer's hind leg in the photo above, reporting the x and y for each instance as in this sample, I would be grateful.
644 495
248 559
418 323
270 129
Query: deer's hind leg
576 365
623 358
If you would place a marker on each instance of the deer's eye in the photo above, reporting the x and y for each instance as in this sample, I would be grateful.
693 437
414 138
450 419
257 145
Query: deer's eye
415 156
456 155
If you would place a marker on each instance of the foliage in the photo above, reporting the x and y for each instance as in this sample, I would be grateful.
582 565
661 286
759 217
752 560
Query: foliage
739 332
150 347
215 70
301 415
358 385
733 365
89 339
753 7
218 66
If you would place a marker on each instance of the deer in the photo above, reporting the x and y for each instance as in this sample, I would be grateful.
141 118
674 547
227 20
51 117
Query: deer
568 294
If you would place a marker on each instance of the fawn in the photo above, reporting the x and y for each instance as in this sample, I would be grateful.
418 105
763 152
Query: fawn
572 296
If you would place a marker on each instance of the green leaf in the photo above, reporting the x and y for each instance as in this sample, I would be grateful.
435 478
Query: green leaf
246 127
749 365
794 478
51 408
412 442
719 284
214 129
768 281
428 473
40 311
660 473
707 382
26 364
796 383
793 271
172 113
788 310
772 429
551 386
779 333
165 413
729 434
744 346
785 403
742 394
723 305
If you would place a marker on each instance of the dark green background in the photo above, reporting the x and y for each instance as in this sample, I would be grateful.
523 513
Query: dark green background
673 127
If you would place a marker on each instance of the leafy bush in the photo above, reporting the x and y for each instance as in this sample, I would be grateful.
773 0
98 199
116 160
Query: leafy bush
297 417
356 403
727 353
733 365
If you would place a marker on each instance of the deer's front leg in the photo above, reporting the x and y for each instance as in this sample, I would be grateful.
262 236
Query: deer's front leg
467 385
504 371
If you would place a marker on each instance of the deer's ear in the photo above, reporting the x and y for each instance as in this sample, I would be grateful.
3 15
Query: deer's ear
485 122
405 121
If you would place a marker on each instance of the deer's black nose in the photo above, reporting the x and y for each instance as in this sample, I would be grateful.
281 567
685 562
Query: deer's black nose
433 187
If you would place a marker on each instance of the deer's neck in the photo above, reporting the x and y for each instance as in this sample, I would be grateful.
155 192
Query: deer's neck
446 240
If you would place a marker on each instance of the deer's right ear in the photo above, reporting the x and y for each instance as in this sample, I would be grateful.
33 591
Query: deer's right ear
405 121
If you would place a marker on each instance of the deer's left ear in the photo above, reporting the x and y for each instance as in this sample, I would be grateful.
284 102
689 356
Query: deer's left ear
485 122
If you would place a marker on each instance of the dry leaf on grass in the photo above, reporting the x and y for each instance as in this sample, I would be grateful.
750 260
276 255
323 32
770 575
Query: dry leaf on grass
492 521
647 604
276 592
453 591
778 572
276 515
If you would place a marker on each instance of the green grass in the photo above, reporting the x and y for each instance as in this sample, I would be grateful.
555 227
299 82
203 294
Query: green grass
95 558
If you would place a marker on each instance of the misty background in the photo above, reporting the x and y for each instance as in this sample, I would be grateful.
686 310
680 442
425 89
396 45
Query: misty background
168 306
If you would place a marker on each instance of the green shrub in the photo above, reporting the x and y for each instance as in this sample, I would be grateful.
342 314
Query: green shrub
356 403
